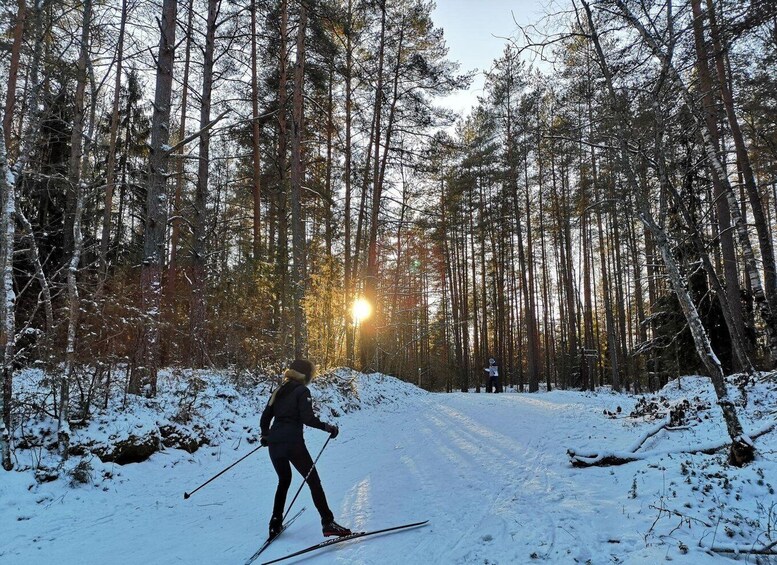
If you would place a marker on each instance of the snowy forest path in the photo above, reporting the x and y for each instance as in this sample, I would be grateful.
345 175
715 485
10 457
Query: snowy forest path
482 468
489 471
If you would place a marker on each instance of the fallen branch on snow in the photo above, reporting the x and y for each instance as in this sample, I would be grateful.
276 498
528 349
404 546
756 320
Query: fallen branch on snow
648 434
769 549
606 458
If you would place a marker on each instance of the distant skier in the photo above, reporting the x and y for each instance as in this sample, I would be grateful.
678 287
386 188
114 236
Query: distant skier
291 407
493 375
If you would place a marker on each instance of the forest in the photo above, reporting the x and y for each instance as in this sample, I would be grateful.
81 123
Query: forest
236 183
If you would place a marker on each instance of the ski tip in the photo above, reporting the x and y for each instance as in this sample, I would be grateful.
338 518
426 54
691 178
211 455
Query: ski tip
186 496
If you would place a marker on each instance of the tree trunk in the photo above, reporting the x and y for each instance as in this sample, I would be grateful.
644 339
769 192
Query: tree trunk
111 166
349 290
8 306
299 274
13 73
728 252
77 133
198 298
144 375
282 250
256 162
368 334
74 307
180 176
74 245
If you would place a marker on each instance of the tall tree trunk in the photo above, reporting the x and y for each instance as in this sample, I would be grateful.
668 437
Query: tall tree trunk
111 166
180 173
8 303
299 274
74 307
256 186
77 132
13 72
282 249
368 334
328 219
349 290
533 331
726 237
144 375
198 298
75 244
745 166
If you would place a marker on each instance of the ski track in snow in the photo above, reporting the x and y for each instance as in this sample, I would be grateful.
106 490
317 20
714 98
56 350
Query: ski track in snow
489 471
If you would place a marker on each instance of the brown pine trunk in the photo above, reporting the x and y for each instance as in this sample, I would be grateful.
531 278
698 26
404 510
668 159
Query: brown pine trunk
612 345
282 249
478 353
299 274
368 333
532 323
328 219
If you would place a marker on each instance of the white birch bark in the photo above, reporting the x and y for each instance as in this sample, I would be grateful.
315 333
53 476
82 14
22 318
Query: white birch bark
63 431
8 310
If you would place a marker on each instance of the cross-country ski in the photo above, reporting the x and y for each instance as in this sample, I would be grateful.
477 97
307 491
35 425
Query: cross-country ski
272 538
345 538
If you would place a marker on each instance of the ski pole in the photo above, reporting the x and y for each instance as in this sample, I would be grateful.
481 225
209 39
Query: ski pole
306 478
186 495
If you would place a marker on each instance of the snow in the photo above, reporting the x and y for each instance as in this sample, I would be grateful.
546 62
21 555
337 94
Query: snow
490 472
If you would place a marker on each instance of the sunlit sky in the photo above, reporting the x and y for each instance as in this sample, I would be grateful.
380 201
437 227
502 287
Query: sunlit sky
475 32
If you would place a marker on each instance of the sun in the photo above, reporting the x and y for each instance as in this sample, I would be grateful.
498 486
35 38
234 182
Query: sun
361 309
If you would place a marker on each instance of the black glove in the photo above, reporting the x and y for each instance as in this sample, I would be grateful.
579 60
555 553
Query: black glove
333 430
263 441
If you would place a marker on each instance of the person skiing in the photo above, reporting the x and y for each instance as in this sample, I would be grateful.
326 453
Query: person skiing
290 408
493 375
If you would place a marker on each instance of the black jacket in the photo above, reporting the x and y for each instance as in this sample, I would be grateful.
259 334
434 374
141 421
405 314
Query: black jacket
291 407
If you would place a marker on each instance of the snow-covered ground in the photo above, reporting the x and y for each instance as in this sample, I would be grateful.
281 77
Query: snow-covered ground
490 472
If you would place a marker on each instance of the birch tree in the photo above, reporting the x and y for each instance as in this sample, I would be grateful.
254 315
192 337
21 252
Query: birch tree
8 306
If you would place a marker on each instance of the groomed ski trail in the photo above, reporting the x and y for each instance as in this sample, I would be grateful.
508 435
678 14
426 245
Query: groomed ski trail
489 472
484 469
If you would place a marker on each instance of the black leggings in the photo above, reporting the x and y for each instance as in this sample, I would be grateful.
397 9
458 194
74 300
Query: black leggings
281 454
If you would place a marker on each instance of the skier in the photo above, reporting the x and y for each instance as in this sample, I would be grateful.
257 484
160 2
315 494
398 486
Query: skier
493 375
292 407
